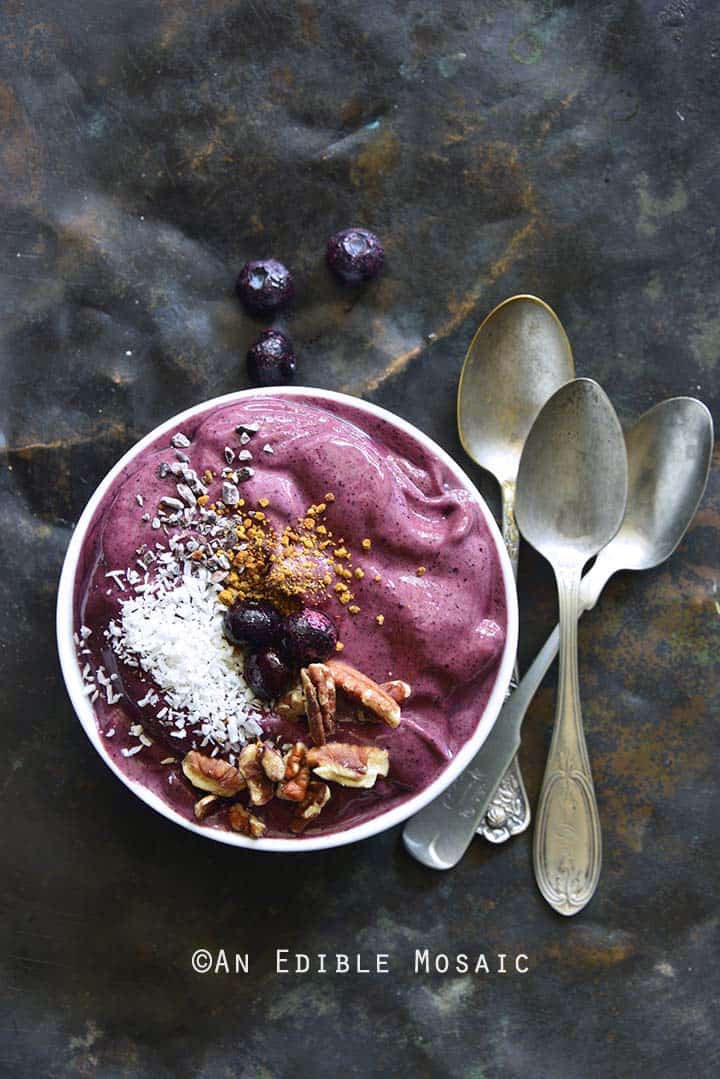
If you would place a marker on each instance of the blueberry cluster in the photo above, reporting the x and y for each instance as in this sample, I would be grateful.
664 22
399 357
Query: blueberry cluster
278 646
354 255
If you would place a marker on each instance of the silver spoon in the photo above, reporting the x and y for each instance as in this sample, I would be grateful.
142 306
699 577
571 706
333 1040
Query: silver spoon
572 490
669 454
518 358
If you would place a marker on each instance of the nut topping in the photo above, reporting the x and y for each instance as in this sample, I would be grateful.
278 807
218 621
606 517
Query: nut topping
295 759
273 764
292 705
204 805
349 765
297 775
245 822
399 691
212 774
369 694
319 691
318 795
250 766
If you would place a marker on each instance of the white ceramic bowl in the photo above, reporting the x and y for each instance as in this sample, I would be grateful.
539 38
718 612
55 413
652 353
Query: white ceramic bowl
84 710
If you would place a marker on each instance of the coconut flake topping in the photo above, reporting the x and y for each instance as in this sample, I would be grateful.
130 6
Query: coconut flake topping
173 631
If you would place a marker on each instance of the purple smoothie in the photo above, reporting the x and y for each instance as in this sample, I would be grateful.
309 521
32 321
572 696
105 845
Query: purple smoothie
443 632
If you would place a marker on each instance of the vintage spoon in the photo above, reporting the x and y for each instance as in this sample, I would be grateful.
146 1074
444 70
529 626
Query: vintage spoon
669 453
518 358
572 489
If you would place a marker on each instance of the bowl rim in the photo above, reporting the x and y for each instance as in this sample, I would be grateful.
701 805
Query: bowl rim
86 713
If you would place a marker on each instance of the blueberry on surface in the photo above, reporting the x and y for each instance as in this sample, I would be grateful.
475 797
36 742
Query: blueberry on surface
271 360
308 636
252 621
355 255
264 285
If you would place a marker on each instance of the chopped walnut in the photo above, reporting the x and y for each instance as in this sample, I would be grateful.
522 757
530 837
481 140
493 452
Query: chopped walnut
212 774
250 766
364 691
349 765
204 805
319 690
245 822
292 705
297 774
273 764
318 795
295 759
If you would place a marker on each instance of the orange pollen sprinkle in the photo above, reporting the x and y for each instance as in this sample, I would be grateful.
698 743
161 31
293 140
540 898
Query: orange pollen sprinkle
291 567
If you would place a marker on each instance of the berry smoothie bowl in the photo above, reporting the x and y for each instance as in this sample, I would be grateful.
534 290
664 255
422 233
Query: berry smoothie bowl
286 619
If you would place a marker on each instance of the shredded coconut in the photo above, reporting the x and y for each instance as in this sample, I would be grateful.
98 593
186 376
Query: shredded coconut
172 629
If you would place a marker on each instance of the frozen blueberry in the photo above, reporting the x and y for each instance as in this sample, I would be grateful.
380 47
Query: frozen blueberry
308 636
252 621
264 285
267 674
355 255
271 360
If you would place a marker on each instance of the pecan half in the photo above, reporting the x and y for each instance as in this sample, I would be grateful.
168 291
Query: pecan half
362 689
250 766
322 678
297 775
318 795
245 822
212 774
319 689
349 765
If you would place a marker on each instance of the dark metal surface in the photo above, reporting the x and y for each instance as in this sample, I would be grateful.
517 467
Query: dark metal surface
147 150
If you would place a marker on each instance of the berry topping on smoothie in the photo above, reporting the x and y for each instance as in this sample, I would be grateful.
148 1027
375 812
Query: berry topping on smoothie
308 636
267 674
253 621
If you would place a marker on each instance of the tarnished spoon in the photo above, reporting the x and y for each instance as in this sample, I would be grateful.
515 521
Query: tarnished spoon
669 454
572 490
518 358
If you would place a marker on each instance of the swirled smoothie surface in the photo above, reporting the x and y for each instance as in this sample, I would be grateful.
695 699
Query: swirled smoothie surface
430 591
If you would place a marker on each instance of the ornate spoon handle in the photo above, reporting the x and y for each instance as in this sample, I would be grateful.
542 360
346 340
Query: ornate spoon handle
509 810
567 844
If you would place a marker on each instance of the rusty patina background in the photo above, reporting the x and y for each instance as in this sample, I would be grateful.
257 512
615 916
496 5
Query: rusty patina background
147 149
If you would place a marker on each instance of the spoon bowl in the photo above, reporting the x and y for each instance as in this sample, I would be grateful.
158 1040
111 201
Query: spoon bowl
669 452
518 358
572 483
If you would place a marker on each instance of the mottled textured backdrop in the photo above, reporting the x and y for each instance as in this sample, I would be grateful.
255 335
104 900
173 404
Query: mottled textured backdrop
147 149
